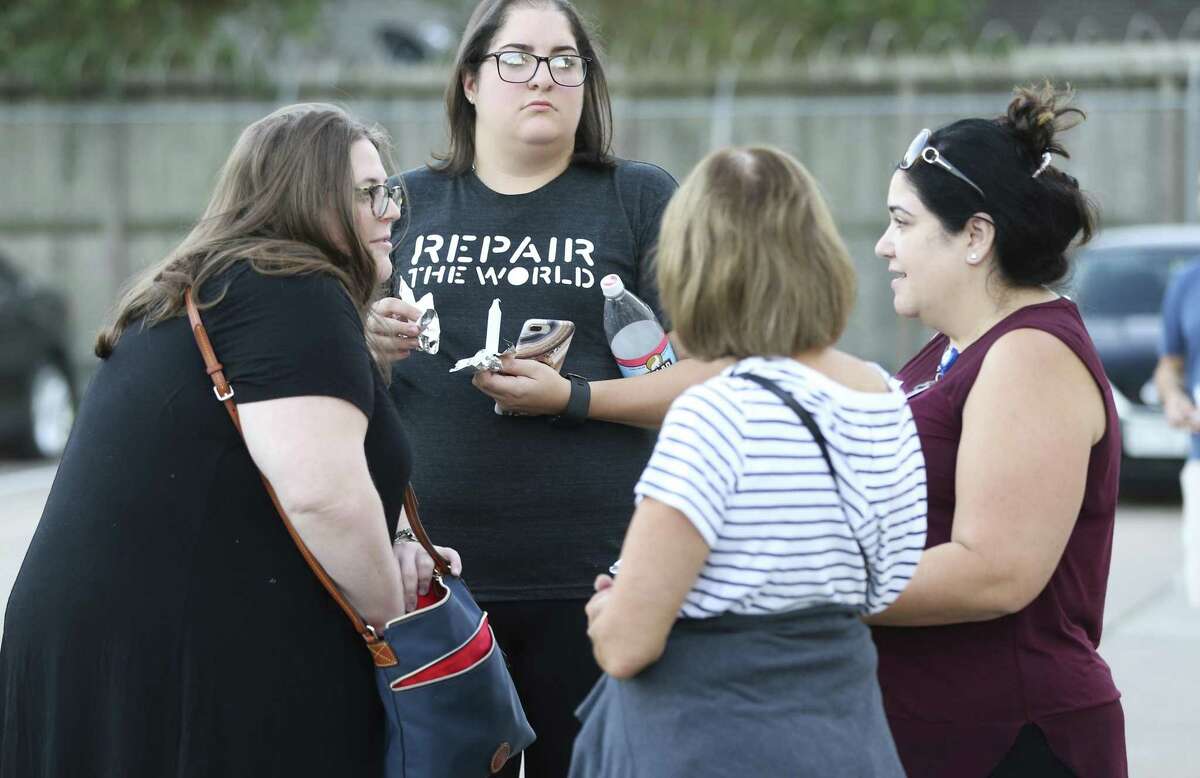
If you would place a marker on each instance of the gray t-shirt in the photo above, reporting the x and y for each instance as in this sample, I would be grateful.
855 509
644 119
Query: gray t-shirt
535 511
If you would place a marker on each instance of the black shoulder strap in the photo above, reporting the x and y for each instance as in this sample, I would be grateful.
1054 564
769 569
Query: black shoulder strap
804 415
811 424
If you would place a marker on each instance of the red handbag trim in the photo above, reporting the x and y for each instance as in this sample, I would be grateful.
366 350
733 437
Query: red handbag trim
432 597
437 596
478 648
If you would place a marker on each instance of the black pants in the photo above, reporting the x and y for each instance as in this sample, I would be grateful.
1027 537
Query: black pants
1031 757
550 657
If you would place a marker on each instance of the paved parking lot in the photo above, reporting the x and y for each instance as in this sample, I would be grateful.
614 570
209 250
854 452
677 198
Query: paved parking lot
1152 639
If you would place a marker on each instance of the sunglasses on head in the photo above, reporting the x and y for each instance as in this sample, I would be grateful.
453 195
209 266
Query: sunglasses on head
920 149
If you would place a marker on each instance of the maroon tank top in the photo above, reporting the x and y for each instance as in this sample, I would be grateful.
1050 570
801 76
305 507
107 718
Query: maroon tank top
957 695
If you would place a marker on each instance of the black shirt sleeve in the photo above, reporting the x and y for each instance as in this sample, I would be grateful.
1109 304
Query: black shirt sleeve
644 190
289 336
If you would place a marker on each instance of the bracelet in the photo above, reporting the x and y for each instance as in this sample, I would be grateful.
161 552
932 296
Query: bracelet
403 535
576 412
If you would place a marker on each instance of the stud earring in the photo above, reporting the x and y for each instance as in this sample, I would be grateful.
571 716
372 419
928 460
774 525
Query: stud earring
973 258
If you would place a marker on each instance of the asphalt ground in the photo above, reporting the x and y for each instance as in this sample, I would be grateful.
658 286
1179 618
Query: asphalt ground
1151 637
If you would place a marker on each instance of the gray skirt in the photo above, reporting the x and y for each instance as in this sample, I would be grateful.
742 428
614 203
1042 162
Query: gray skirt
776 696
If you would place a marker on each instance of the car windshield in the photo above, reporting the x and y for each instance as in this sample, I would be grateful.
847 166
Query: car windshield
1127 281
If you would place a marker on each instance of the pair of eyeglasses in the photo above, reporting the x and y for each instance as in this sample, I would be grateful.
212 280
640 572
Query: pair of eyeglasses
382 194
519 67
920 149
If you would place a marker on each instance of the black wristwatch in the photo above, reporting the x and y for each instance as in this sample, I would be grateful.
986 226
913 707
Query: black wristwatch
576 411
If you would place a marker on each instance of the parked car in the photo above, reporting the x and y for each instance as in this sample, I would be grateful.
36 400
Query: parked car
1119 282
37 396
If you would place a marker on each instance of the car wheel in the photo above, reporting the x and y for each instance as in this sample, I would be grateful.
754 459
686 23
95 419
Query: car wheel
51 411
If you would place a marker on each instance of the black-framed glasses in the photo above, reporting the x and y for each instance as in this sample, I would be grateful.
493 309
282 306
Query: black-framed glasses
381 194
519 67
920 149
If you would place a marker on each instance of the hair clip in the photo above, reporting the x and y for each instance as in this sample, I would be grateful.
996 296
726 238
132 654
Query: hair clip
1045 164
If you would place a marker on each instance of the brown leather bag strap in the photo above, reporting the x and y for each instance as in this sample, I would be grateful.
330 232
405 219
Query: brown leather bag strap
441 565
224 393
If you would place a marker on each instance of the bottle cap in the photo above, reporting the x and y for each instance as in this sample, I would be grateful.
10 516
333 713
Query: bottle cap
612 286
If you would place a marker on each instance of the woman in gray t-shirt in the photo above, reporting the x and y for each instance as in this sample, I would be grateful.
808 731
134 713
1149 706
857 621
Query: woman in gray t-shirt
528 206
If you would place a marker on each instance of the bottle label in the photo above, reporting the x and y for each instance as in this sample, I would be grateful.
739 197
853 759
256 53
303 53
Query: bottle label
662 356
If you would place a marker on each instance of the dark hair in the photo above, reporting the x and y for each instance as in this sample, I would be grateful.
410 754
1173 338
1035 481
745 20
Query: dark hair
284 202
1036 218
593 136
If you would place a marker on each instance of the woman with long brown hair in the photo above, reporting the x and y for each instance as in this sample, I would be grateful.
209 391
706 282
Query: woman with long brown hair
163 622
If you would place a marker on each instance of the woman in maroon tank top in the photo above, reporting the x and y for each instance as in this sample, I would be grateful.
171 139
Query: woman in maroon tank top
988 660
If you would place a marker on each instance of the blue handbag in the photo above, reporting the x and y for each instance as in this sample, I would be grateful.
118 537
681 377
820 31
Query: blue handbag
452 708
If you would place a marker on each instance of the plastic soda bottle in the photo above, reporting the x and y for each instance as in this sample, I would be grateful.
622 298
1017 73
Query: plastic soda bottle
637 340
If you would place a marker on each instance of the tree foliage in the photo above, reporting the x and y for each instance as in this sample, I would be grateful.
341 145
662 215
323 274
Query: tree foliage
55 41
715 26
63 43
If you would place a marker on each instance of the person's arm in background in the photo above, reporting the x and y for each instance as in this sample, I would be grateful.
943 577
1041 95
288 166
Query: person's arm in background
532 388
311 451
1029 425
1169 376
642 401
1178 407
529 387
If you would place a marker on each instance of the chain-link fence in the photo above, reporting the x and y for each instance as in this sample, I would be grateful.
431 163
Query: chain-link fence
93 190
358 44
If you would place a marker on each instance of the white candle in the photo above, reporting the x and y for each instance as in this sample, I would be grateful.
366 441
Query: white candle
492 341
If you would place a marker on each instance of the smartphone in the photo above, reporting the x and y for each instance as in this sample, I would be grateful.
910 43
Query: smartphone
545 340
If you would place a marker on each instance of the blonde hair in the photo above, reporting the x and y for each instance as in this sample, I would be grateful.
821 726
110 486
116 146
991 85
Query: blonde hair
749 260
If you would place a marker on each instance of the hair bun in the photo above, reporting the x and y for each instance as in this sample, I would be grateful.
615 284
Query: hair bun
1037 114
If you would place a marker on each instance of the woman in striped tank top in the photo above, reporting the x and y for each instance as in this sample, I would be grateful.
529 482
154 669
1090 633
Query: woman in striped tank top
988 661
784 499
